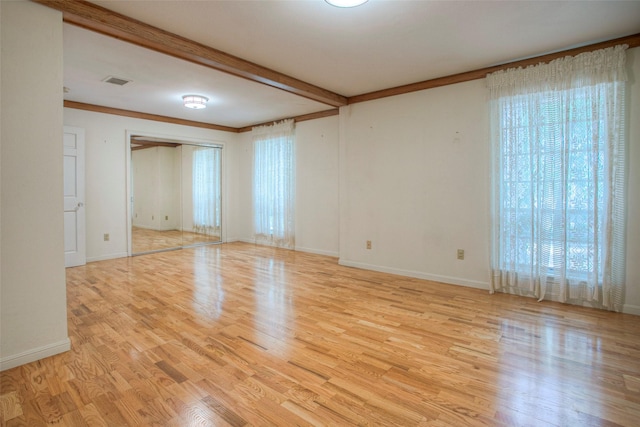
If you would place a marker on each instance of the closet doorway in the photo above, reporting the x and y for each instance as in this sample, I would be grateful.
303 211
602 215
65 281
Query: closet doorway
175 193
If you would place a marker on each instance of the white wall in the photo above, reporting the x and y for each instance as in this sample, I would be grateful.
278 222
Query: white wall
317 217
186 165
144 174
415 180
169 213
33 319
106 152
156 188
317 186
243 176
632 295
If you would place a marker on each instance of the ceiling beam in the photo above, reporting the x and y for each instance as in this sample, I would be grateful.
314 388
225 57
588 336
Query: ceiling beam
631 41
145 116
105 21
166 119
141 145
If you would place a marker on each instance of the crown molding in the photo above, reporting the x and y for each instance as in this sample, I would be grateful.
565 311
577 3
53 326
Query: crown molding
301 118
631 41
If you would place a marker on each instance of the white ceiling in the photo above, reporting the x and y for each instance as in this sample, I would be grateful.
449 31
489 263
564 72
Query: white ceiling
379 45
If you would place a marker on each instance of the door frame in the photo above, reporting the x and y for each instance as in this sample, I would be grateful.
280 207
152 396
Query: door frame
80 201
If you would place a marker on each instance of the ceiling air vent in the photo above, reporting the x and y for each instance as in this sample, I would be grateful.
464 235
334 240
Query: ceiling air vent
116 81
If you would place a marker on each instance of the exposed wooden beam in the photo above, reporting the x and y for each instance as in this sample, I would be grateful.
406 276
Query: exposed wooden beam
141 144
302 118
167 119
143 147
138 115
632 41
105 21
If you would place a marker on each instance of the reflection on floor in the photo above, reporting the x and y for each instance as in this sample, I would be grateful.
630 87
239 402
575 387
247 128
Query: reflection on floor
247 335
147 240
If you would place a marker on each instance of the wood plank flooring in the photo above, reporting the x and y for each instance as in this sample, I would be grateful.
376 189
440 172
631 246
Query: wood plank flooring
147 240
238 334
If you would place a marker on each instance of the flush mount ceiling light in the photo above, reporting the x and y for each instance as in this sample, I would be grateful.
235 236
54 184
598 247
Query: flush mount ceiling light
195 101
346 3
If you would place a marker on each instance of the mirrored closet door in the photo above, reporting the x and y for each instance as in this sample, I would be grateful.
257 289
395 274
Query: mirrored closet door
176 194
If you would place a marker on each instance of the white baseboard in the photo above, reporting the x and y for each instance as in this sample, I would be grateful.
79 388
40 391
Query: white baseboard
297 248
418 275
318 251
631 309
35 354
108 256
627 308
244 240
254 242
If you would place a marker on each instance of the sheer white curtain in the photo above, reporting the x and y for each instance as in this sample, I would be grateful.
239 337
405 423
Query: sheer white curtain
206 190
558 179
274 184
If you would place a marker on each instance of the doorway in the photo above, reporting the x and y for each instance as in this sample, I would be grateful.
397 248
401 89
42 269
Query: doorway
74 214
175 192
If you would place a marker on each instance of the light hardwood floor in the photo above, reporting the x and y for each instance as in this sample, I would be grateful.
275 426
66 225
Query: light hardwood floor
238 334
147 240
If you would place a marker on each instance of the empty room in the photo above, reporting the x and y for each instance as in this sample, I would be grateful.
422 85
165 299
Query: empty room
319 212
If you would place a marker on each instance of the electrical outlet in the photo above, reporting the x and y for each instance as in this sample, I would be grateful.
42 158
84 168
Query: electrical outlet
460 253
106 237
166 217
368 244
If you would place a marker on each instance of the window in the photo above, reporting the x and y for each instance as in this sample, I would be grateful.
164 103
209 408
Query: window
206 190
552 178
558 150
274 184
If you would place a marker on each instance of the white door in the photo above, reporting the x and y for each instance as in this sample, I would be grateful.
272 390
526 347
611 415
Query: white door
74 214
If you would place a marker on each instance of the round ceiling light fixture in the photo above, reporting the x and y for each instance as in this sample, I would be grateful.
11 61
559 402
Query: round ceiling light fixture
195 102
346 3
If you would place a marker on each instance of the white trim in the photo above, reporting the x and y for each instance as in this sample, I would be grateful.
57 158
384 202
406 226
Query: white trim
297 248
108 256
631 309
418 275
318 252
35 354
